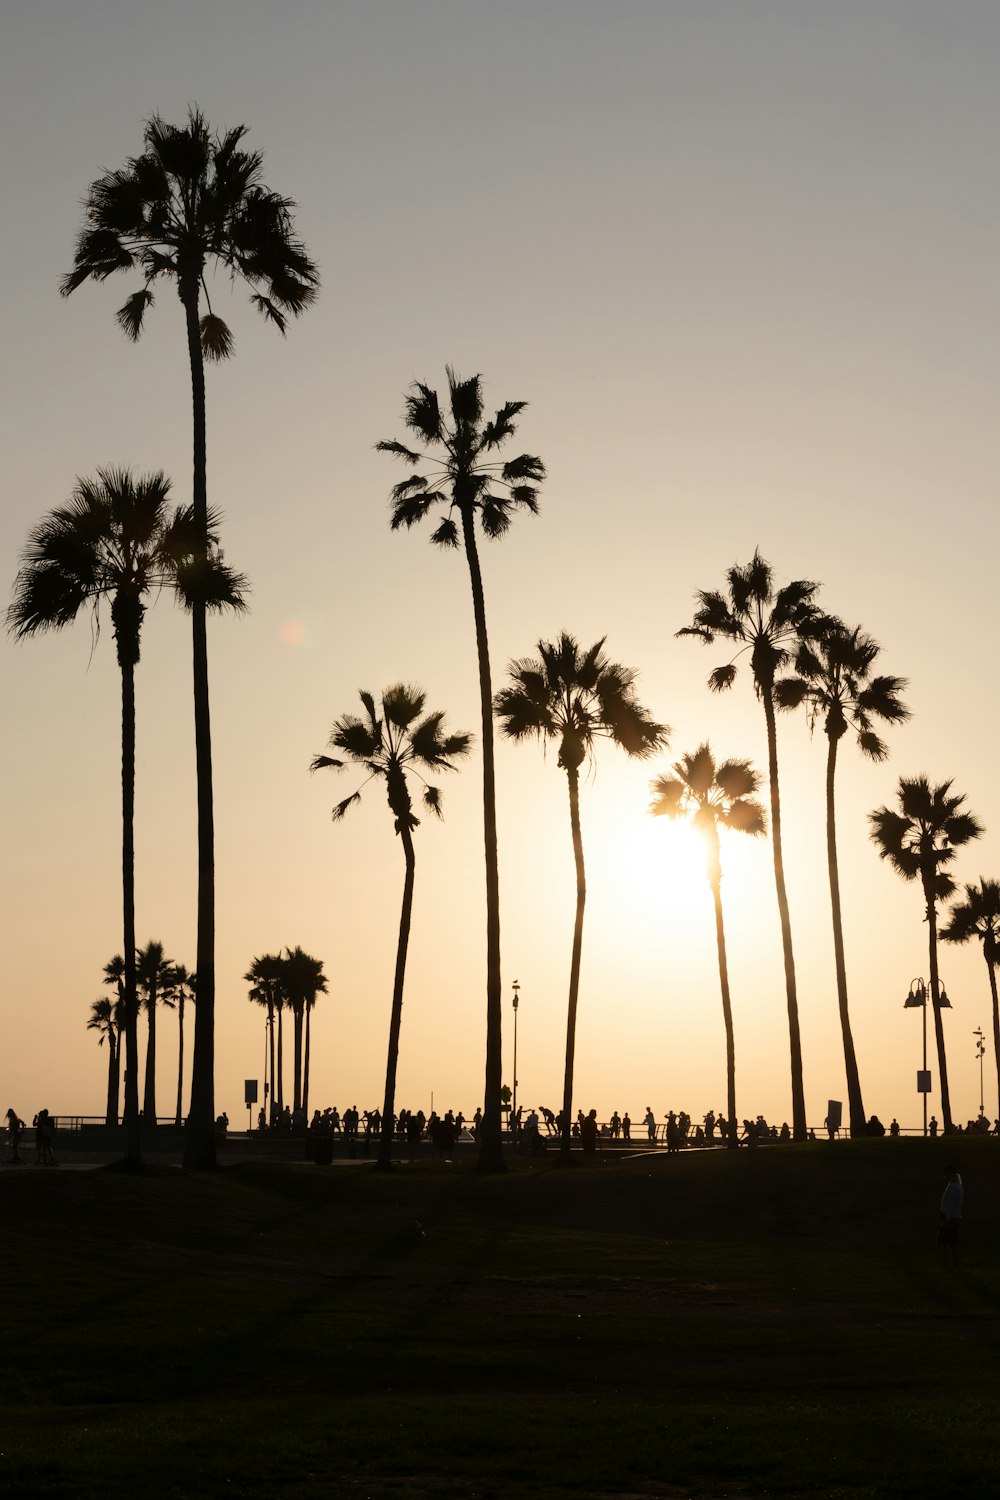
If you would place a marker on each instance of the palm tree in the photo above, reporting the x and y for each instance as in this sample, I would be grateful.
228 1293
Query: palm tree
153 975
264 977
464 477
575 697
302 980
182 987
978 916
105 1021
919 841
770 625
390 746
193 202
833 677
114 542
114 977
712 797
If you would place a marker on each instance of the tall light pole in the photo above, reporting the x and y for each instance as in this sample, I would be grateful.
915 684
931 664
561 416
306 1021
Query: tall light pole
980 1053
513 1113
917 997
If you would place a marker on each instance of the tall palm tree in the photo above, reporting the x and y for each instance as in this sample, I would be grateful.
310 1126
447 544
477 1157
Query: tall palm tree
978 916
182 988
302 980
115 542
833 678
713 797
153 976
919 841
463 476
575 697
191 203
390 746
769 624
105 1021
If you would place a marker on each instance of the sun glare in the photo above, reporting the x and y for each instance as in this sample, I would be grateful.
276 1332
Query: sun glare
659 863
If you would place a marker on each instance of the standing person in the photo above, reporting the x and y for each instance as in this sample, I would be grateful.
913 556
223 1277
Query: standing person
951 1216
650 1122
626 1126
588 1133
14 1127
933 1126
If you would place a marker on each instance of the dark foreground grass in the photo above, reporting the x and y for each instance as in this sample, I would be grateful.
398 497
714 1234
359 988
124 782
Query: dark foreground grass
775 1324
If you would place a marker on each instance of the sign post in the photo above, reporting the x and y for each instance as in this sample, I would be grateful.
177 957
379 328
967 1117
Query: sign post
249 1098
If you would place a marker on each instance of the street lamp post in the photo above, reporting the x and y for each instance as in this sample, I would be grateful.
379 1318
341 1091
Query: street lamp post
513 1113
980 1053
917 997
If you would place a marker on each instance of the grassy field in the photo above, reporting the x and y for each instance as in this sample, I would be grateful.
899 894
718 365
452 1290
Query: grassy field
774 1324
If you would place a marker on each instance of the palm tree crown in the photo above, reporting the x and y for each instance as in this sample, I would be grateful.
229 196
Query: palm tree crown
976 916
768 624
920 839
714 796
575 697
461 474
393 743
833 677
192 199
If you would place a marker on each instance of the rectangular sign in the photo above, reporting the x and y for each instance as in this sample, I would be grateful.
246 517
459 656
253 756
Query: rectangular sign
250 1092
923 1081
834 1114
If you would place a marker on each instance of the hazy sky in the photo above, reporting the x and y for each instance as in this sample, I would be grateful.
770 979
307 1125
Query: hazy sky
741 259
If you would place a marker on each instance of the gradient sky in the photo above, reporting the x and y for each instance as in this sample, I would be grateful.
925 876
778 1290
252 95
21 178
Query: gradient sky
741 259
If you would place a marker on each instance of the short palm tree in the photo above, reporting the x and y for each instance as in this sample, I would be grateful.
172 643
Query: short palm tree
302 979
769 624
191 203
713 797
114 978
575 697
392 745
978 916
105 1021
919 841
264 978
115 542
463 475
182 989
833 678
153 976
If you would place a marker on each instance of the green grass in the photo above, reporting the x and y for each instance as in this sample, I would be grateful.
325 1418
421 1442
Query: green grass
775 1324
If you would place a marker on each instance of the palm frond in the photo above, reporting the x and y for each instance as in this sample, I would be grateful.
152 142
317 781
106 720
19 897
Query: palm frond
431 798
399 450
341 808
321 762
722 678
216 338
130 314
445 534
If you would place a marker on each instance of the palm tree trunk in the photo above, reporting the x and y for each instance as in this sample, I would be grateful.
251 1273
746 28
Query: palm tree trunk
855 1104
996 1026
305 1065
396 1017
794 1038
732 1139
149 1091
936 1003
490 1140
133 1148
111 1111
114 1102
180 1059
199 1144
281 1065
573 777
272 1102
297 1059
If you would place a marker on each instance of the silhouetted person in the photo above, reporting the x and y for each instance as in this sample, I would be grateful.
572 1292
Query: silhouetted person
784 1134
933 1126
15 1125
894 1128
627 1126
951 1215
650 1123
45 1130
875 1126
588 1133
